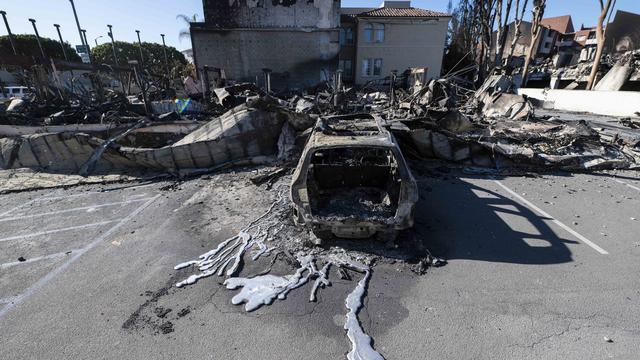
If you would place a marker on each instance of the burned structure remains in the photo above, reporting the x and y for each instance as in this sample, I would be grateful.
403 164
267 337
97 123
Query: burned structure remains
295 40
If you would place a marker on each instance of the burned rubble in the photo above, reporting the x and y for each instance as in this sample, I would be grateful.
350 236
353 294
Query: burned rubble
338 165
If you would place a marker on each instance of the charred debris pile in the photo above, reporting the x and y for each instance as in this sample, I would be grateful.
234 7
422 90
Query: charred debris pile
62 129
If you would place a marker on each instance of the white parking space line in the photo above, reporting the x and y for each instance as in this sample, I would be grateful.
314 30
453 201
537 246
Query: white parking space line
44 198
39 258
51 275
8 300
17 207
556 221
21 217
17 237
627 184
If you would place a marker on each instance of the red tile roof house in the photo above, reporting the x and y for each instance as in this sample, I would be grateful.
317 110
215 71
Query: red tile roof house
396 36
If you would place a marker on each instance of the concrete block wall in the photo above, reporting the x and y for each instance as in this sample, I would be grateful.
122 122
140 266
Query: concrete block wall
321 14
296 58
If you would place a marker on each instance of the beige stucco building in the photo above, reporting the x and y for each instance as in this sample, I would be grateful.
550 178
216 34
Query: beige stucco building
396 36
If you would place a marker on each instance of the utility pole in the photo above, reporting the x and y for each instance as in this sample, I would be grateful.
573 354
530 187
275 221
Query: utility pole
35 29
6 23
86 43
140 47
164 50
75 14
64 51
113 45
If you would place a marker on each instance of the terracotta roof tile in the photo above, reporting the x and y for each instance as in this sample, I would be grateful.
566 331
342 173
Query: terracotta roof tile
561 24
402 12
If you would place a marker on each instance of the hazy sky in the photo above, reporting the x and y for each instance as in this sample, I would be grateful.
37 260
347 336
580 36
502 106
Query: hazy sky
159 16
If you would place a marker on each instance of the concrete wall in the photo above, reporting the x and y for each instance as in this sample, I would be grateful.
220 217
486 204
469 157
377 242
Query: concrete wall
612 103
322 14
408 43
296 58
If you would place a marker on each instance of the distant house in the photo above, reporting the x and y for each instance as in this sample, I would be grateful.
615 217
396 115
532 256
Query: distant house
556 40
623 33
395 36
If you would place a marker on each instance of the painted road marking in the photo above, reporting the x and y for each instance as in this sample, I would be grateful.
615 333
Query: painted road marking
556 221
45 257
627 184
17 207
57 230
44 198
44 280
73 209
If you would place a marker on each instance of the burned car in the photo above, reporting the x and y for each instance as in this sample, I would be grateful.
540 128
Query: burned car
352 181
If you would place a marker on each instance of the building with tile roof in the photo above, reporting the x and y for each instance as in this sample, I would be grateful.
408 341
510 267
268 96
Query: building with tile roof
395 36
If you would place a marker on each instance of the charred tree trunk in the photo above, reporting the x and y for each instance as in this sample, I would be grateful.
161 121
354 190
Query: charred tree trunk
503 30
517 32
600 36
536 31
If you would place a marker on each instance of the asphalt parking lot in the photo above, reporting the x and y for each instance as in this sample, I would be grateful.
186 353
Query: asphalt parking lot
538 268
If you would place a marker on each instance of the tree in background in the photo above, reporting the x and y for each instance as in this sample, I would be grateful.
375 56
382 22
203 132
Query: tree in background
27 45
153 57
605 9
186 33
503 28
471 39
517 28
536 31
461 46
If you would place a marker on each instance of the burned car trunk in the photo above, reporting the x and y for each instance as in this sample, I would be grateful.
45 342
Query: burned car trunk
352 180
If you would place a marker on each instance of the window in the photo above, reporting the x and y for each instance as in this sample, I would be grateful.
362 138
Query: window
374 33
581 38
366 67
371 67
378 30
346 36
347 68
377 66
16 91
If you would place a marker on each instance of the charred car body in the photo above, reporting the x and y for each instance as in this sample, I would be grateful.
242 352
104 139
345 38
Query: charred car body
352 180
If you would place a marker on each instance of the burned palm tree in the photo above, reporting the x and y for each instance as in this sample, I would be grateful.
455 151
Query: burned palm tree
186 33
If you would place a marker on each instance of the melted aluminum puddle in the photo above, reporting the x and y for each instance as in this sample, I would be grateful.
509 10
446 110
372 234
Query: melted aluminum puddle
264 289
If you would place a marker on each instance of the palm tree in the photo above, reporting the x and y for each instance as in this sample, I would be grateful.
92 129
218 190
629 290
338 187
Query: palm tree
186 33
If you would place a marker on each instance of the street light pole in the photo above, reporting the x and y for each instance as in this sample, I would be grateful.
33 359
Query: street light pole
86 43
64 51
6 23
113 45
35 29
96 39
140 47
75 14
164 50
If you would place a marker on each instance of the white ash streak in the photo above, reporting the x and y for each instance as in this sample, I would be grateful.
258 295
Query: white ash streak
361 348
262 290
226 258
321 280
